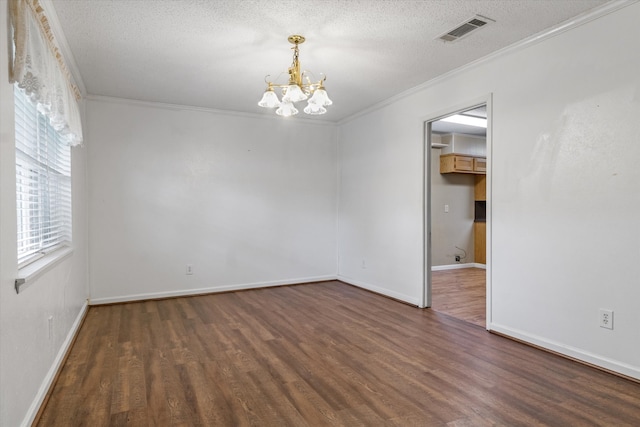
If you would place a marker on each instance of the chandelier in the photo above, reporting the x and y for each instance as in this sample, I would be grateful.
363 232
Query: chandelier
298 89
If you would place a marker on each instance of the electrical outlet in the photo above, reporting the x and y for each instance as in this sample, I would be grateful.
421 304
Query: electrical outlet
189 269
606 318
364 264
457 258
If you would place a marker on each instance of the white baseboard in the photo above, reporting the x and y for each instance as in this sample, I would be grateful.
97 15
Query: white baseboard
55 367
212 290
575 353
402 297
458 266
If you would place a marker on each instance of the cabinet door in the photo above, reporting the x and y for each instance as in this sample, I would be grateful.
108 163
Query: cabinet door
459 163
480 242
480 164
480 187
463 163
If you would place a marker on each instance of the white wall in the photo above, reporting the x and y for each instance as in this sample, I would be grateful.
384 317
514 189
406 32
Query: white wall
380 201
565 189
247 201
27 352
453 228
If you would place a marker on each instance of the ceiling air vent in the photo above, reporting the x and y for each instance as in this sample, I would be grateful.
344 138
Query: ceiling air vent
465 28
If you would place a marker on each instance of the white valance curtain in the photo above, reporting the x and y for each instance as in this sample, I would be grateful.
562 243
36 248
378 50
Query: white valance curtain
37 66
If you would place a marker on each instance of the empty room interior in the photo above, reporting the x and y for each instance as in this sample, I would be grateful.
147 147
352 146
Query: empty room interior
319 212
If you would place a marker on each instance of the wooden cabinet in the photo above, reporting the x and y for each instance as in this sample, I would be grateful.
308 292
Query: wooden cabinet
480 242
480 165
480 227
450 163
460 163
480 187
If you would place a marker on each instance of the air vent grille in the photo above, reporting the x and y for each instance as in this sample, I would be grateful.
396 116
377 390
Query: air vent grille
465 28
461 30
477 22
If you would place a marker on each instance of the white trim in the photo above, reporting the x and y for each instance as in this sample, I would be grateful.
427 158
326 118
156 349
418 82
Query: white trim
212 290
338 194
458 266
570 24
427 255
489 215
181 107
47 382
30 272
576 353
384 291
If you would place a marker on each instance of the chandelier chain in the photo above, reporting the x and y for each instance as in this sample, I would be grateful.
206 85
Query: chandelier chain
296 54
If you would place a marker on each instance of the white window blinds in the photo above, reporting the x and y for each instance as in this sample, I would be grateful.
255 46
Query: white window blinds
43 182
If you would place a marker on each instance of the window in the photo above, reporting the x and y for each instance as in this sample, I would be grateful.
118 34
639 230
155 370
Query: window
43 183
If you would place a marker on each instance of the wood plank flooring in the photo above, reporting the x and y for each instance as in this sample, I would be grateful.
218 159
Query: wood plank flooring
315 355
460 293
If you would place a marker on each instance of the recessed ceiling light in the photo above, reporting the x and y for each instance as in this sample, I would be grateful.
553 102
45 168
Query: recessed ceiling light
466 120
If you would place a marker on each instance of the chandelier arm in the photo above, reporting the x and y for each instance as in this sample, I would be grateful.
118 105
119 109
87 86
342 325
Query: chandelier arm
322 80
313 86
271 82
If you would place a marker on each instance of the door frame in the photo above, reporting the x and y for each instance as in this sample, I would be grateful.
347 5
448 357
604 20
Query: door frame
426 297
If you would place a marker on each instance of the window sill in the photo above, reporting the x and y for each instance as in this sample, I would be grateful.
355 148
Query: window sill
28 273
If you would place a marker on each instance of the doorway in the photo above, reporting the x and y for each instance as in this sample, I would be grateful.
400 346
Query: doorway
457 148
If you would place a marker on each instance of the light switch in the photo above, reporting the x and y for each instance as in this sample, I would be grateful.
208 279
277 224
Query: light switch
446 208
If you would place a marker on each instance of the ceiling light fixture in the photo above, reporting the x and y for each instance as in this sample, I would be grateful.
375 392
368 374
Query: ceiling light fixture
296 89
466 120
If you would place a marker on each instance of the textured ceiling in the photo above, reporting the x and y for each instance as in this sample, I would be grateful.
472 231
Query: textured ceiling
215 54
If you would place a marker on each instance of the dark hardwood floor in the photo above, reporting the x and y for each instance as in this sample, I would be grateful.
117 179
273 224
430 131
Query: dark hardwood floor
460 293
318 354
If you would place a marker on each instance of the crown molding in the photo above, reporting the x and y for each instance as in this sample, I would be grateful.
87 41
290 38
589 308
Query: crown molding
181 107
63 45
547 34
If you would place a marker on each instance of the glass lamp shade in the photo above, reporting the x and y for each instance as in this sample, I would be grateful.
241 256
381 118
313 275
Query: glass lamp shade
320 97
287 109
294 94
314 109
269 99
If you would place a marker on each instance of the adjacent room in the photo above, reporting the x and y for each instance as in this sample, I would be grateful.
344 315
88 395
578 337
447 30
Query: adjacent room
457 192
233 213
